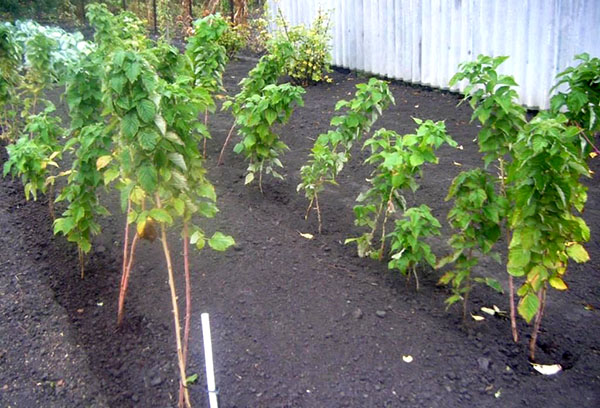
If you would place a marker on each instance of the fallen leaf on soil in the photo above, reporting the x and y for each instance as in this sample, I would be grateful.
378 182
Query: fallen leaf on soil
547 369
593 154
477 318
498 393
488 310
456 163
100 304
306 235
79 310
407 359
460 147
60 383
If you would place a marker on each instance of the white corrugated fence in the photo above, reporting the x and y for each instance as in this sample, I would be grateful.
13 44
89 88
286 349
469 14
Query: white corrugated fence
423 41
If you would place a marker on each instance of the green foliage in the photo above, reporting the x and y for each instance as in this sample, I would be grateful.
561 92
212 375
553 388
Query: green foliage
111 32
407 246
312 50
31 155
398 161
10 59
332 149
494 104
260 145
78 222
208 57
545 186
580 99
235 38
476 215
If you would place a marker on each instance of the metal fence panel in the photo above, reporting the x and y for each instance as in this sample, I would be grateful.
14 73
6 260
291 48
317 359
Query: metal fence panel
423 41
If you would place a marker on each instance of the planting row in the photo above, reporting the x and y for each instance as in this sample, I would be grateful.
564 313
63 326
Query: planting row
139 109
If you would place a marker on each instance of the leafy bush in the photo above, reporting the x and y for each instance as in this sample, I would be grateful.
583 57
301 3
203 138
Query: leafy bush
397 160
312 50
407 246
235 38
332 149
476 216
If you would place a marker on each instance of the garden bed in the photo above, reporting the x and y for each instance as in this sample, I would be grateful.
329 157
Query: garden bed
296 322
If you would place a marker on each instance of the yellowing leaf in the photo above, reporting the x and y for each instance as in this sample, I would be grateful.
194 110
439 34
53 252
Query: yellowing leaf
578 253
547 369
477 318
593 154
407 359
557 283
306 235
457 164
103 161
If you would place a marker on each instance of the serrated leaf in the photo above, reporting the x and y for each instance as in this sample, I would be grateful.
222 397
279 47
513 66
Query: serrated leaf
146 110
220 241
148 139
207 190
178 160
173 137
161 124
148 178
578 253
110 174
179 206
133 71
270 115
103 161
160 215
130 125
528 306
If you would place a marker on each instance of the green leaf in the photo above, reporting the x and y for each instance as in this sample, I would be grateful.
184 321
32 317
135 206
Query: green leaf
528 306
207 190
64 225
110 174
518 259
191 379
494 284
270 115
133 71
146 110
147 178
161 215
130 125
178 160
578 253
148 139
220 241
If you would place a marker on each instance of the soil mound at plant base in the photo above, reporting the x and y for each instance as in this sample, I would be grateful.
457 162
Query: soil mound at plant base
296 322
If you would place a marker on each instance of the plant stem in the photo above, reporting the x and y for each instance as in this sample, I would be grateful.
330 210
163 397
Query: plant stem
124 268
318 212
125 280
51 202
188 300
385 218
511 283
173 290
81 263
538 323
414 271
205 122
220 161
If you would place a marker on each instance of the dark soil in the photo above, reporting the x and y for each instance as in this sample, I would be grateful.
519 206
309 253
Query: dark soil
295 322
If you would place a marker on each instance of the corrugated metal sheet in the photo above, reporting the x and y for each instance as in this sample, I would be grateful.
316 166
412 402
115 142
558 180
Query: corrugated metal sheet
423 41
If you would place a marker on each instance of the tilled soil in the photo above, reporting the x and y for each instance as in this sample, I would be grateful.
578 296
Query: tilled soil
295 322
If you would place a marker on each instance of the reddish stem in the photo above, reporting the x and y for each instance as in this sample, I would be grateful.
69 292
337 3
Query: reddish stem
125 280
537 324
220 161
124 269
188 301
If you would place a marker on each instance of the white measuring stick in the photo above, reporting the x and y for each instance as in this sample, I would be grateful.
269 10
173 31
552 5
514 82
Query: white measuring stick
208 358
